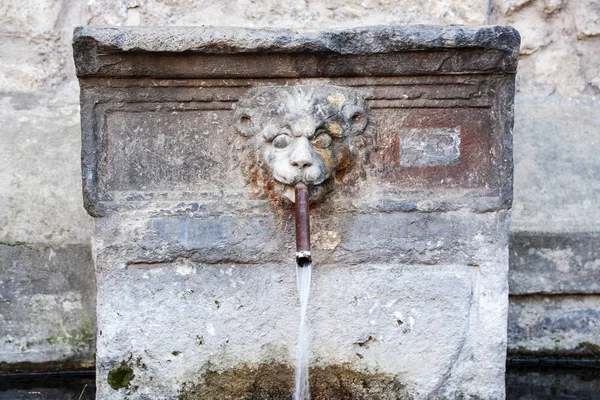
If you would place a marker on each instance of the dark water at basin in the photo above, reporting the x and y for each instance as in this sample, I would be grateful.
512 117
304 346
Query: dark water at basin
59 386
558 381
528 381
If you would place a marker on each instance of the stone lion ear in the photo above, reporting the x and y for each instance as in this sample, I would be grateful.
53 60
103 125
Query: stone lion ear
356 118
246 123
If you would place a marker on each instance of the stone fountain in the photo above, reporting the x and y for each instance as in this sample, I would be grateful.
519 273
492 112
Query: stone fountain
193 141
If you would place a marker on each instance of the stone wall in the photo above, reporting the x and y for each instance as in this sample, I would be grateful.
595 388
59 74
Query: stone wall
47 301
556 219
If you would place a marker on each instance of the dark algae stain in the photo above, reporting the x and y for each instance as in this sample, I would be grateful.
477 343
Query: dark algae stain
267 381
120 377
583 351
276 381
341 382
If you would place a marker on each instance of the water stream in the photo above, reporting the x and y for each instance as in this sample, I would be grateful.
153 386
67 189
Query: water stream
302 390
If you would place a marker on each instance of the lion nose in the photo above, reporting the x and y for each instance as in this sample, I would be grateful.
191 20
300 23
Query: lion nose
301 155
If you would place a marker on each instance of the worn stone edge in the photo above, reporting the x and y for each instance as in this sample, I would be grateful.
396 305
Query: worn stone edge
539 238
92 41
27 367
583 351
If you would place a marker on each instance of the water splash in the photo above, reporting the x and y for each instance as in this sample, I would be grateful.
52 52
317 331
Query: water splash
302 389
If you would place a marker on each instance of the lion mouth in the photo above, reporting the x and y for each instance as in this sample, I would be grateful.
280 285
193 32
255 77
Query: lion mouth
300 178
315 192
294 182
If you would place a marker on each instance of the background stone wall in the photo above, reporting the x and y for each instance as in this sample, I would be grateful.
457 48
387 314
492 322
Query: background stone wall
46 276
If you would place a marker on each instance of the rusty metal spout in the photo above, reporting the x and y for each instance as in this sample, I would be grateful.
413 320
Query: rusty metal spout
303 256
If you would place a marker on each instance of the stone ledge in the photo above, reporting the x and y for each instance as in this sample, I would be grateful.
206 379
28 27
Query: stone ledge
554 327
365 40
109 51
52 367
47 307
554 263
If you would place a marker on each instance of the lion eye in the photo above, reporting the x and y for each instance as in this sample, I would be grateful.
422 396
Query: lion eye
322 140
282 141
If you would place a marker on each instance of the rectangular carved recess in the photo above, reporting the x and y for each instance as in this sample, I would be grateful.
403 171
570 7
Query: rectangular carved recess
158 103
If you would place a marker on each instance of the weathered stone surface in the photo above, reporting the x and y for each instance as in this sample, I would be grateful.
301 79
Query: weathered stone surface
44 235
40 200
587 19
556 166
396 186
256 239
215 318
229 40
194 255
559 46
554 263
47 308
37 72
115 52
566 326
446 101
312 14
36 51
554 227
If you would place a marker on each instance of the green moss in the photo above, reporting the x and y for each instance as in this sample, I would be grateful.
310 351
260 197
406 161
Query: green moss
81 338
119 377
85 335
54 339
14 244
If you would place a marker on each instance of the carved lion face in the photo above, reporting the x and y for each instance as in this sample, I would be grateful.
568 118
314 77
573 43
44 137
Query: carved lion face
302 133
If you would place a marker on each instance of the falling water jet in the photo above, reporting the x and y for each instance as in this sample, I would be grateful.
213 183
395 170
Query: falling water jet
303 274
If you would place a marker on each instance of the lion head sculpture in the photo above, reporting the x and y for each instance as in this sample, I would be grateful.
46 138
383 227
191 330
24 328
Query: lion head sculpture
301 133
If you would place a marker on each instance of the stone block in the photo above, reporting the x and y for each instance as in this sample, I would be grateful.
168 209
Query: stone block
554 327
556 166
193 241
554 263
587 18
47 308
40 189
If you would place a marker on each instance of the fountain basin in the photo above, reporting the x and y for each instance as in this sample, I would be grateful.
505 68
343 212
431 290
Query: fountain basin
194 245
